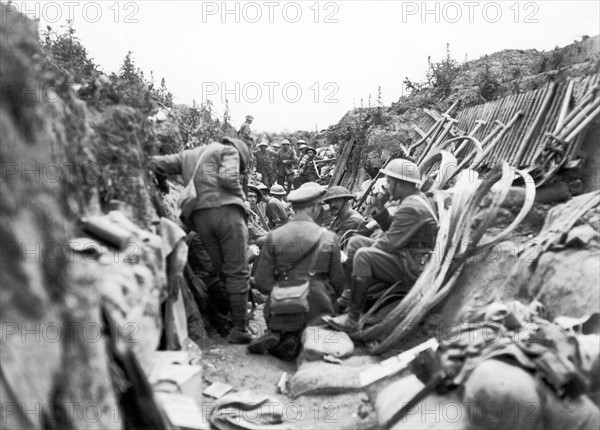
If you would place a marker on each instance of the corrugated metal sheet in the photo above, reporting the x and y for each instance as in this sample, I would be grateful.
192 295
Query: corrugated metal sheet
514 147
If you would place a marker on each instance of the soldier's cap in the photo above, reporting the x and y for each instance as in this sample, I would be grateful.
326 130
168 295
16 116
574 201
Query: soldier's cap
338 192
309 148
305 195
250 117
259 195
285 142
320 187
262 144
276 145
301 142
302 145
277 190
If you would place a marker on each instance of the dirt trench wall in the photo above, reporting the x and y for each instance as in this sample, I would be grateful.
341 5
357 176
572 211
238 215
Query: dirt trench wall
61 158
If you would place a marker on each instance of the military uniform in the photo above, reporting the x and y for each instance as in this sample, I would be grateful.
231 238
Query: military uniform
244 133
219 216
400 253
346 221
286 161
276 213
307 171
287 245
264 166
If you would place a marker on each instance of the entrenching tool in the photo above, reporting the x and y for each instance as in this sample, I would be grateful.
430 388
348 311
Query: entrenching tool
430 133
499 127
434 130
493 143
440 139
478 124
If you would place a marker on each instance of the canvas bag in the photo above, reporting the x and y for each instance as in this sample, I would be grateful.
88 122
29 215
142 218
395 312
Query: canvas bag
188 196
293 299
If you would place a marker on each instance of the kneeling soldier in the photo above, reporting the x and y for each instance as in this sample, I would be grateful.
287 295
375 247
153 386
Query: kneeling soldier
298 255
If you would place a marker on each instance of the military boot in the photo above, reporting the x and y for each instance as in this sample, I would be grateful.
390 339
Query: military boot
344 300
264 343
239 334
348 322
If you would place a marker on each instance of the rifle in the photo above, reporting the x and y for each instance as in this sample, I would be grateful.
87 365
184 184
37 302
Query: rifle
362 199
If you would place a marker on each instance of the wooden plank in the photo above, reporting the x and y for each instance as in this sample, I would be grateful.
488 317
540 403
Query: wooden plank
433 114
419 131
340 167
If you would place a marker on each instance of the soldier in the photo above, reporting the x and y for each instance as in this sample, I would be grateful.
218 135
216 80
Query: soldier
262 203
323 216
301 147
298 252
307 171
244 133
264 164
257 232
285 165
346 219
276 208
219 216
402 251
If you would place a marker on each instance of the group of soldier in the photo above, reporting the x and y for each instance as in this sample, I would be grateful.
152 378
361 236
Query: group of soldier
286 233
316 260
280 163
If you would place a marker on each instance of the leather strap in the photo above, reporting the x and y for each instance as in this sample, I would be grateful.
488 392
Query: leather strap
308 254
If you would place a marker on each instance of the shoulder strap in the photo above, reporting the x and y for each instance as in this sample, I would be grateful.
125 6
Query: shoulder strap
196 168
308 254
428 207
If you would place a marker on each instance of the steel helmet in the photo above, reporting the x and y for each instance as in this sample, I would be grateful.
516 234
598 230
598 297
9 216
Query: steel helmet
262 187
276 145
301 142
250 117
277 190
285 142
338 192
403 170
309 148
262 144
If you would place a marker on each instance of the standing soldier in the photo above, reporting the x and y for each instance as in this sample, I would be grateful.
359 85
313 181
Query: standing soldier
219 216
401 252
244 132
301 147
307 169
264 164
285 162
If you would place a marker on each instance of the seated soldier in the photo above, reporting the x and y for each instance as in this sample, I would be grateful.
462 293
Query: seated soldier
346 219
323 216
276 209
256 230
293 254
401 252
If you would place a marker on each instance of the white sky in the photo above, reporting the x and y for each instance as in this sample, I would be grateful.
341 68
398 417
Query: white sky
334 64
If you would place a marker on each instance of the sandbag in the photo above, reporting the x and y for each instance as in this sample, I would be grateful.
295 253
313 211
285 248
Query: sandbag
320 341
